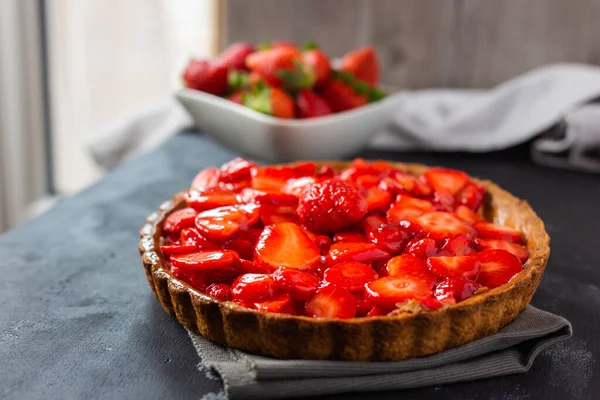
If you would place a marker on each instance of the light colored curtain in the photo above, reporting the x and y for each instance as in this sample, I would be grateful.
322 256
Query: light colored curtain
22 155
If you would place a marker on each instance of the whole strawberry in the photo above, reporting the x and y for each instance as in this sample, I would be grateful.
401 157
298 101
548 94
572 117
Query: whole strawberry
331 206
206 75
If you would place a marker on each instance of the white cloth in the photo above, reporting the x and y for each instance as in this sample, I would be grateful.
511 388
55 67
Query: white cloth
463 120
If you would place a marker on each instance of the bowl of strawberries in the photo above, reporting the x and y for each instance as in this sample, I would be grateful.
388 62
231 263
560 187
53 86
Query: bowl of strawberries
277 102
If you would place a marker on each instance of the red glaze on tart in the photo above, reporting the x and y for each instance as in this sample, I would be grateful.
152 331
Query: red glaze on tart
337 244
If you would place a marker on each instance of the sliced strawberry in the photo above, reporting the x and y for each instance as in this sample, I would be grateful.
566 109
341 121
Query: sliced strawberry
440 225
467 214
472 195
301 285
298 185
180 219
223 222
376 312
372 222
250 267
359 252
282 304
249 195
377 199
172 238
369 182
210 198
253 288
202 260
390 237
273 215
221 275
193 278
379 266
497 267
243 247
360 167
363 306
237 170
323 242
444 200
459 245
351 276
331 302
422 248
446 267
325 172
407 207
331 206
494 231
518 250
218 291
272 178
443 179
406 265
206 179
171 249
431 303
456 287
387 292
286 245
349 236
192 237
305 169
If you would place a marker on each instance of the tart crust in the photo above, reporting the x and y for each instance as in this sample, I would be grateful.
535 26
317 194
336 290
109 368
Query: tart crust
414 333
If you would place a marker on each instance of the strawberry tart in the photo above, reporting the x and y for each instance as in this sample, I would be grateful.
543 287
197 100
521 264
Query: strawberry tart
365 260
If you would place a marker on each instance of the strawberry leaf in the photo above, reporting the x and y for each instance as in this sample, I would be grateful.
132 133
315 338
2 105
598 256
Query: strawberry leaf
301 77
310 45
372 94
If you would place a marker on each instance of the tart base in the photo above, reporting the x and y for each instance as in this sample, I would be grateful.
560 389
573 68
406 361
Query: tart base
385 338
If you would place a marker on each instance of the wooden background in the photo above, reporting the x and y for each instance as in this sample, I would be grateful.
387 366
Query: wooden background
429 43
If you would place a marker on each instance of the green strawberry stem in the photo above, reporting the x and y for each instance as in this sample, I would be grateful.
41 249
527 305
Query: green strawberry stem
372 94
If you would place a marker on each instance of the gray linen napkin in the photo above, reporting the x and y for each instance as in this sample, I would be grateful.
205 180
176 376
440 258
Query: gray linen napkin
511 350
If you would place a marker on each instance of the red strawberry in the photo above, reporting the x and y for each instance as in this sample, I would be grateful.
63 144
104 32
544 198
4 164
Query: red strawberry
363 306
325 172
440 225
459 245
407 207
467 214
389 237
432 304
195 279
319 63
368 182
376 312
248 195
518 250
210 198
351 276
286 245
296 186
282 304
422 248
251 288
281 43
301 285
362 64
457 287
443 179
497 267
192 237
271 101
360 168
207 76
250 267
272 178
305 169
234 56
311 105
349 236
218 291
331 206
223 222
359 252
323 242
331 302
237 170
207 178
341 97
180 219
472 195
377 199
272 62
170 249
444 200
493 231
466 266
387 292
407 265
243 247
272 215
237 97
372 222
202 260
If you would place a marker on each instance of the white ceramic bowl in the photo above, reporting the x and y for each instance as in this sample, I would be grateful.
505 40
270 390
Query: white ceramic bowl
280 140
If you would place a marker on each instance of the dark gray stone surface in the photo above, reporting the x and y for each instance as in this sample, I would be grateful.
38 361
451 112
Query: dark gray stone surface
77 319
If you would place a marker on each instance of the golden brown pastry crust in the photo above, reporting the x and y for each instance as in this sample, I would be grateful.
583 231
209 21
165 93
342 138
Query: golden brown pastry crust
391 337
